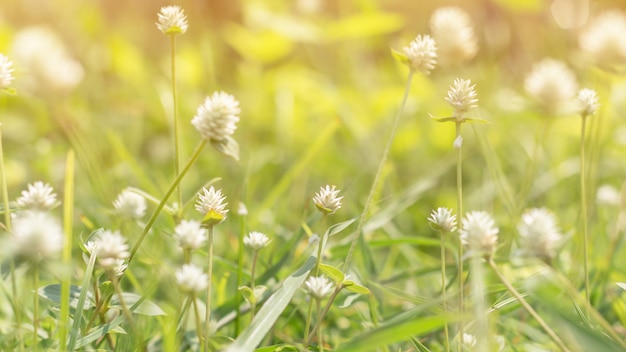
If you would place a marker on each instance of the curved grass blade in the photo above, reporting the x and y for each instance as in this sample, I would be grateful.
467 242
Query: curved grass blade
81 302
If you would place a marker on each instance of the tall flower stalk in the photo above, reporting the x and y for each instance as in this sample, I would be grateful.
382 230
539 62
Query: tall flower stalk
255 241
172 21
588 104
442 221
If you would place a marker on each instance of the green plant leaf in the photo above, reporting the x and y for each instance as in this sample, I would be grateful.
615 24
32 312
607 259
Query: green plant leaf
271 310
75 332
332 272
336 228
53 294
144 307
356 288
400 57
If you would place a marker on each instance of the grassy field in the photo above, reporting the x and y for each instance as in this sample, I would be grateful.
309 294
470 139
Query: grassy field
341 131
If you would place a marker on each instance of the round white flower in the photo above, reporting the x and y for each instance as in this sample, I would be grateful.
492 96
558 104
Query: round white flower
38 196
211 204
603 40
479 232
191 279
327 200
462 96
443 220
172 20
318 286
551 84
587 102
110 247
130 205
38 235
217 117
256 240
6 72
540 235
451 27
422 54
190 235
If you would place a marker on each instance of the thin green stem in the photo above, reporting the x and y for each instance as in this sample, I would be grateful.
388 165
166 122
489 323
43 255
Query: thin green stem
68 216
36 307
459 206
176 123
5 192
307 325
443 289
320 343
379 171
583 206
196 314
316 270
125 311
240 250
557 340
324 312
169 192
207 320
252 271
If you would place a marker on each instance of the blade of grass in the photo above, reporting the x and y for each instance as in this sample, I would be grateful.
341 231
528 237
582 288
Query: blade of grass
68 214
78 315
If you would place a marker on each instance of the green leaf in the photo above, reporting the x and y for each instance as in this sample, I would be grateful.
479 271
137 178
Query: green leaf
81 303
332 272
400 57
145 307
271 310
356 288
349 300
335 229
53 294
227 146
247 294
9 91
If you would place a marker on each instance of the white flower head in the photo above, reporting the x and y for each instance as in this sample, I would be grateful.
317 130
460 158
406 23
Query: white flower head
6 72
422 54
453 32
479 232
539 233
211 205
608 195
216 119
191 279
462 96
129 204
469 341
318 286
551 84
242 210
37 235
256 240
172 20
603 40
327 200
587 101
190 235
38 196
110 248
442 220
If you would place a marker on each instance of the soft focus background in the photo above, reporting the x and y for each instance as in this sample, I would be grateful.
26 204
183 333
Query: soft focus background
318 89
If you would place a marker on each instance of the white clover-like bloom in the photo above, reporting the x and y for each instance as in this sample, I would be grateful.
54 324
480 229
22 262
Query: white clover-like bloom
217 117
37 235
443 220
479 232
318 286
129 204
38 196
604 40
551 84
6 72
422 54
539 233
608 195
172 20
469 341
190 235
587 101
462 96
110 248
256 240
327 200
211 204
191 279
452 29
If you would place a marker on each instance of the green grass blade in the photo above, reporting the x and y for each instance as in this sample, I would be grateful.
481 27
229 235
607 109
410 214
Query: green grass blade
68 214
271 310
81 302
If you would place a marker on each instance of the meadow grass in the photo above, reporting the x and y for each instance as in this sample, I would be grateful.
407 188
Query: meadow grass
315 203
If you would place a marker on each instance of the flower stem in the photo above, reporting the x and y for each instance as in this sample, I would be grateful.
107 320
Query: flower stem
316 270
443 290
320 343
196 314
36 306
583 205
207 319
169 192
527 306
321 317
379 171
240 248
176 123
459 206
253 305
